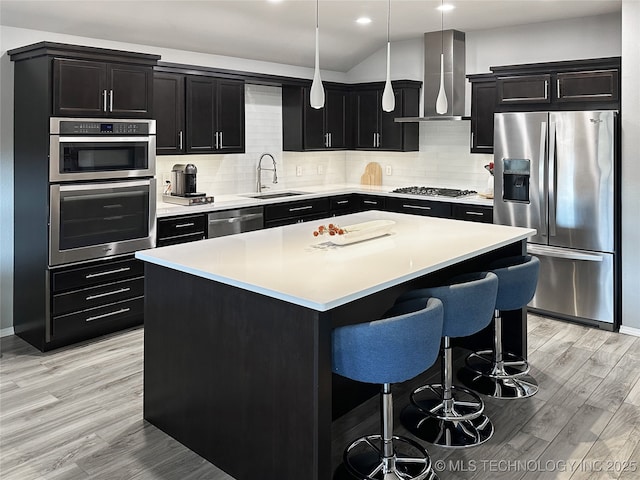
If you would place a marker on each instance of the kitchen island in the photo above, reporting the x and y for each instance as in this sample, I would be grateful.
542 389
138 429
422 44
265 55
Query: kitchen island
237 360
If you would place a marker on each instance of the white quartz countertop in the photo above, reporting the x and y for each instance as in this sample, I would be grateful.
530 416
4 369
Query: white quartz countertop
227 202
290 264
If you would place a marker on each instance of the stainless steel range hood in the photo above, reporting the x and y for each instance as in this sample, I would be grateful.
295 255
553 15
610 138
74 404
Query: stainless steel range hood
452 44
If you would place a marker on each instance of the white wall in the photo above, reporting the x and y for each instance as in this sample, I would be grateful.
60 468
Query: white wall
630 165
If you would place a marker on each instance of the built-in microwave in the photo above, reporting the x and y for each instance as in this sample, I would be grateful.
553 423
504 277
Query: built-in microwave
96 220
83 149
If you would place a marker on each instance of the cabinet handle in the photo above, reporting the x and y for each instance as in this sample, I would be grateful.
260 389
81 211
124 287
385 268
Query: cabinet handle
330 140
180 140
100 295
183 225
100 274
215 135
220 134
370 202
111 100
117 312
546 89
104 100
374 140
558 88
342 202
297 209
417 207
477 214
326 140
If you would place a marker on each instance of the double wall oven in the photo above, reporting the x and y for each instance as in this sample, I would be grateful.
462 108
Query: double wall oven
102 190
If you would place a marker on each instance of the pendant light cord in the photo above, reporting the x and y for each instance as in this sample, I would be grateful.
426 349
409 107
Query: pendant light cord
388 18
441 26
317 14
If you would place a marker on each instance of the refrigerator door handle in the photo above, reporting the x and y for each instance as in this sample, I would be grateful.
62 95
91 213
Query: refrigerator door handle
564 253
552 179
541 183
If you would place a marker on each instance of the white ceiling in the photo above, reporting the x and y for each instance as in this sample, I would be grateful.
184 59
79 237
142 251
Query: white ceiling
281 32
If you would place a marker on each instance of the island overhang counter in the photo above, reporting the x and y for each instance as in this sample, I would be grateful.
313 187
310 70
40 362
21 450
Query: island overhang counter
237 347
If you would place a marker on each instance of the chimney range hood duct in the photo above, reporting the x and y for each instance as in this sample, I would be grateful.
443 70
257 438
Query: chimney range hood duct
452 43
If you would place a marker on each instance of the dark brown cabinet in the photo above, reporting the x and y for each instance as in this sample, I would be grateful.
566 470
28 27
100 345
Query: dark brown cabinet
483 106
168 110
472 213
181 229
83 88
375 129
590 86
306 128
214 115
523 89
278 214
414 206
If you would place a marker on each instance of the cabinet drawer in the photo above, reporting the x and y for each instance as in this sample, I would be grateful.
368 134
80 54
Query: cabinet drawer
111 317
302 208
372 203
93 297
419 207
342 204
189 237
181 226
473 213
96 274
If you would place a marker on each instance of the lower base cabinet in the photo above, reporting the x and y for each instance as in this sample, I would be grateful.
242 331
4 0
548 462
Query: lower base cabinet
181 229
91 300
278 214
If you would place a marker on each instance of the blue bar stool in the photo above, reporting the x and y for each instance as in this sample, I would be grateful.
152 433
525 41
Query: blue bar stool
445 414
502 374
391 350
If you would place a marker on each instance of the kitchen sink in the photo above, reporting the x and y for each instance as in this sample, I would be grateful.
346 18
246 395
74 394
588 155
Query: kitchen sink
266 196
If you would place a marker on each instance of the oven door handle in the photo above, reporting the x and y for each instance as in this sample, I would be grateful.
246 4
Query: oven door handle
103 139
102 186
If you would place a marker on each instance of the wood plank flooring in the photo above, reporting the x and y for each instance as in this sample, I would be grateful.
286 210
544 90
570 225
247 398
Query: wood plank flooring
76 413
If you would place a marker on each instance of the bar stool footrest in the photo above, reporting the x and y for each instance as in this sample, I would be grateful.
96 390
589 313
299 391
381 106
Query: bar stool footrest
465 404
522 386
483 363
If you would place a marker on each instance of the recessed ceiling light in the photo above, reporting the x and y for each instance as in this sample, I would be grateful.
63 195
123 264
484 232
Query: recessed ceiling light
446 7
274 1
363 20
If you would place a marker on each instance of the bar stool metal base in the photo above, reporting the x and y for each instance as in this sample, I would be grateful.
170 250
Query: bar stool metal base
522 386
483 363
447 433
464 404
365 460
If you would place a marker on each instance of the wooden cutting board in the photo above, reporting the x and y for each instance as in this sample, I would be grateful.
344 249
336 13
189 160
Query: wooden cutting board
372 174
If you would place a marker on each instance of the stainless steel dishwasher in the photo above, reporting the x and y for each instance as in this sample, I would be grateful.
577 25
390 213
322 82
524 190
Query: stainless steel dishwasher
228 222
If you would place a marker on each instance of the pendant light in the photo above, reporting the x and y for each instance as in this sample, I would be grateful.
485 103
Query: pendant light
388 98
316 96
441 102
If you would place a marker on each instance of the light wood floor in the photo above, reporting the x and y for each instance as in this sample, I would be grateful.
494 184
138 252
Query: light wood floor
76 413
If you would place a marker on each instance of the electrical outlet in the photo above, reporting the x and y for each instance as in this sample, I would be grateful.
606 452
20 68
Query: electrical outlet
298 170
387 170
320 169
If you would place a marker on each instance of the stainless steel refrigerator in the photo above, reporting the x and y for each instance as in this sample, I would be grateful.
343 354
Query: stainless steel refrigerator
556 172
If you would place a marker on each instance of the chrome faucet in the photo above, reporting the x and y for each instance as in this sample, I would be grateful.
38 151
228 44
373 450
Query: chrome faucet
260 187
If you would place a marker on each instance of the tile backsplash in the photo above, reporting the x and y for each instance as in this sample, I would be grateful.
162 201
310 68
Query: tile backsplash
443 160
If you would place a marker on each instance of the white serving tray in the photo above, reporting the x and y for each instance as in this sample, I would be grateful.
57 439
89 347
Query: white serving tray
362 231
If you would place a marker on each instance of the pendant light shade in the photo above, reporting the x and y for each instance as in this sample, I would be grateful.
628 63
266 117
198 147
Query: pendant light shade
442 105
388 98
316 95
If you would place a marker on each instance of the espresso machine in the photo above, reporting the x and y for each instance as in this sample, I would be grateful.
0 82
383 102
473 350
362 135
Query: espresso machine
183 186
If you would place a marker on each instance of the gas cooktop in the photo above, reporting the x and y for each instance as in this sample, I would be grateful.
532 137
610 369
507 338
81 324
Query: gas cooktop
435 192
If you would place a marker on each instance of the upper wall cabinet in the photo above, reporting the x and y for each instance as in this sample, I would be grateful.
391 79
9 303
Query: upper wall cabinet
375 129
568 85
90 82
101 89
215 115
198 113
483 106
305 128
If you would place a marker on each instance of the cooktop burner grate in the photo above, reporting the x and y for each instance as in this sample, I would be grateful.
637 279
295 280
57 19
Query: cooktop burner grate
434 191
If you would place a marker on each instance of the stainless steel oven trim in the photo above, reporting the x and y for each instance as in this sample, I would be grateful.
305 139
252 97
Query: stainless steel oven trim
58 257
54 158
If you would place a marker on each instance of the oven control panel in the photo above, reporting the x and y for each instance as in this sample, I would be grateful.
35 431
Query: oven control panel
101 126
